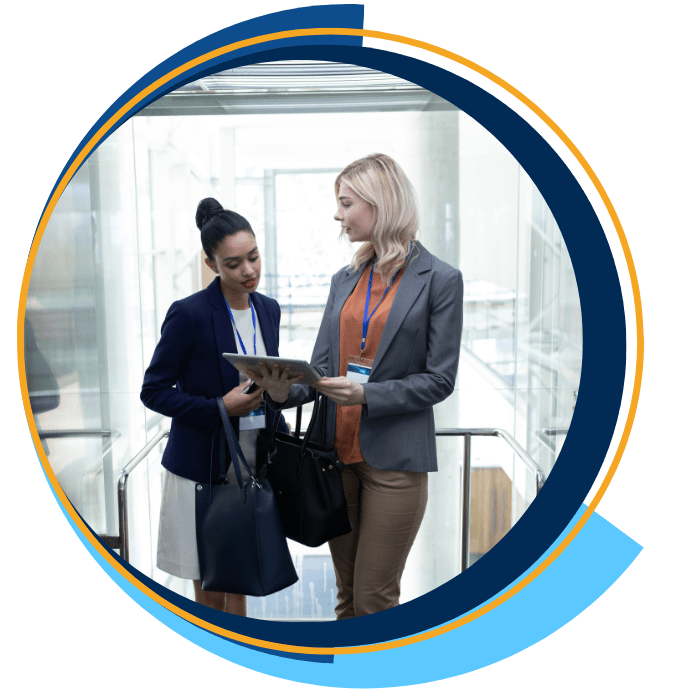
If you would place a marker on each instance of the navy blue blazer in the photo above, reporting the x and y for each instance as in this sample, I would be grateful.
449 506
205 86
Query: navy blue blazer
188 372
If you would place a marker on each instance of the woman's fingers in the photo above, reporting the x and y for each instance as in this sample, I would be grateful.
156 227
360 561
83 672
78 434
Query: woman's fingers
260 375
342 390
246 371
275 379
332 392
264 371
288 378
281 374
255 376
256 396
253 400
239 404
340 398
334 386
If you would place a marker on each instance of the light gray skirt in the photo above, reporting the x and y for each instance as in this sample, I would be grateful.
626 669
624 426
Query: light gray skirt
177 533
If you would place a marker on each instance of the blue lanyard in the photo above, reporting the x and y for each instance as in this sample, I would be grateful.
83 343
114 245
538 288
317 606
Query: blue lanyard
366 319
255 332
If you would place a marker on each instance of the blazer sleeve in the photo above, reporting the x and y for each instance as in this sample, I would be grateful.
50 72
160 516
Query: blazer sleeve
436 382
174 349
321 356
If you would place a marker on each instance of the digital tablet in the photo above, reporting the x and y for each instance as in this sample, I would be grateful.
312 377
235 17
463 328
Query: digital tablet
310 375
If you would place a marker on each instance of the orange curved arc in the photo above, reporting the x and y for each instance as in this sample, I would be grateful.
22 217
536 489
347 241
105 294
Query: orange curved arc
637 306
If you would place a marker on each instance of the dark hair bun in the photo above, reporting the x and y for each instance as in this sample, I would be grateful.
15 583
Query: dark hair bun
206 210
216 223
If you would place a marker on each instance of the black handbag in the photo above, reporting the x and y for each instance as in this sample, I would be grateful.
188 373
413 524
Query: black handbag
307 481
240 540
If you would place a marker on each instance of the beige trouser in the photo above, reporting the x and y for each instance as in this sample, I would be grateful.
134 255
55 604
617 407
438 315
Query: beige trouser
369 561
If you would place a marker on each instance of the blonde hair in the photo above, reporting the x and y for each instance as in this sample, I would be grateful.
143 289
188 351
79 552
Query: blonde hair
379 180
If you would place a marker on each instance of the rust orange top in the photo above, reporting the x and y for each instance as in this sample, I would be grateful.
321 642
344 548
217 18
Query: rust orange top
347 418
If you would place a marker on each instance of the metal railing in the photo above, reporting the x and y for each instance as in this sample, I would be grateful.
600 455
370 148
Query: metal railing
89 482
548 437
122 494
76 433
466 433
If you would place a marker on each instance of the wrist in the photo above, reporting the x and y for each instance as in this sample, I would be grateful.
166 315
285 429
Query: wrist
278 397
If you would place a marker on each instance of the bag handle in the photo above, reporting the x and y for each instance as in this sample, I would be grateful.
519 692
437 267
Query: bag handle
297 427
312 422
273 449
317 406
233 446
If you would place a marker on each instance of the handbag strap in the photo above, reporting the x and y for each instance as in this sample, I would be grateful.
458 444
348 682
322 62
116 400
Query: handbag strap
233 446
314 416
297 427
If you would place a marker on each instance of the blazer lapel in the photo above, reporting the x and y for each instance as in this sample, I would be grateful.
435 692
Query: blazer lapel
410 287
223 335
345 287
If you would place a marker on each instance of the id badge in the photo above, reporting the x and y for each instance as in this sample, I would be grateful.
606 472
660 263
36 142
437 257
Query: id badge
359 369
254 420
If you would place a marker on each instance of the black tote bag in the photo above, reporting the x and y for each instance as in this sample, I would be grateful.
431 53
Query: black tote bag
240 541
306 478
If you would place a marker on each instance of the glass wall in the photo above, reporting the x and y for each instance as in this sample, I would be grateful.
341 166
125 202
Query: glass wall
122 246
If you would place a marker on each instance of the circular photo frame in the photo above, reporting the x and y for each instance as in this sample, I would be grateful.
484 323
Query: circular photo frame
489 606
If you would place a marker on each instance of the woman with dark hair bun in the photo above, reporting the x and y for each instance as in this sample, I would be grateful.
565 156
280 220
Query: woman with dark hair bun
187 374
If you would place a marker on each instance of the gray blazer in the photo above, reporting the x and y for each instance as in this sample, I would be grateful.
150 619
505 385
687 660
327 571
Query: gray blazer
414 369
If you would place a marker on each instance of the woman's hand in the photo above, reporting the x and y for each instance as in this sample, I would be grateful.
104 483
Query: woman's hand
239 404
341 390
276 383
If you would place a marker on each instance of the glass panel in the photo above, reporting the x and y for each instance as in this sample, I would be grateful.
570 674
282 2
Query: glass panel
61 350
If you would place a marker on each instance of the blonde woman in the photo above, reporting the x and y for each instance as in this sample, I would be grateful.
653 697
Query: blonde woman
388 348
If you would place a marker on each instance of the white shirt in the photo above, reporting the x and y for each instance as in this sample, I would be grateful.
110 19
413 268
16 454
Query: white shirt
244 325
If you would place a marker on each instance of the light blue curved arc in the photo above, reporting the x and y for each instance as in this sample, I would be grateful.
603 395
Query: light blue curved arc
595 559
